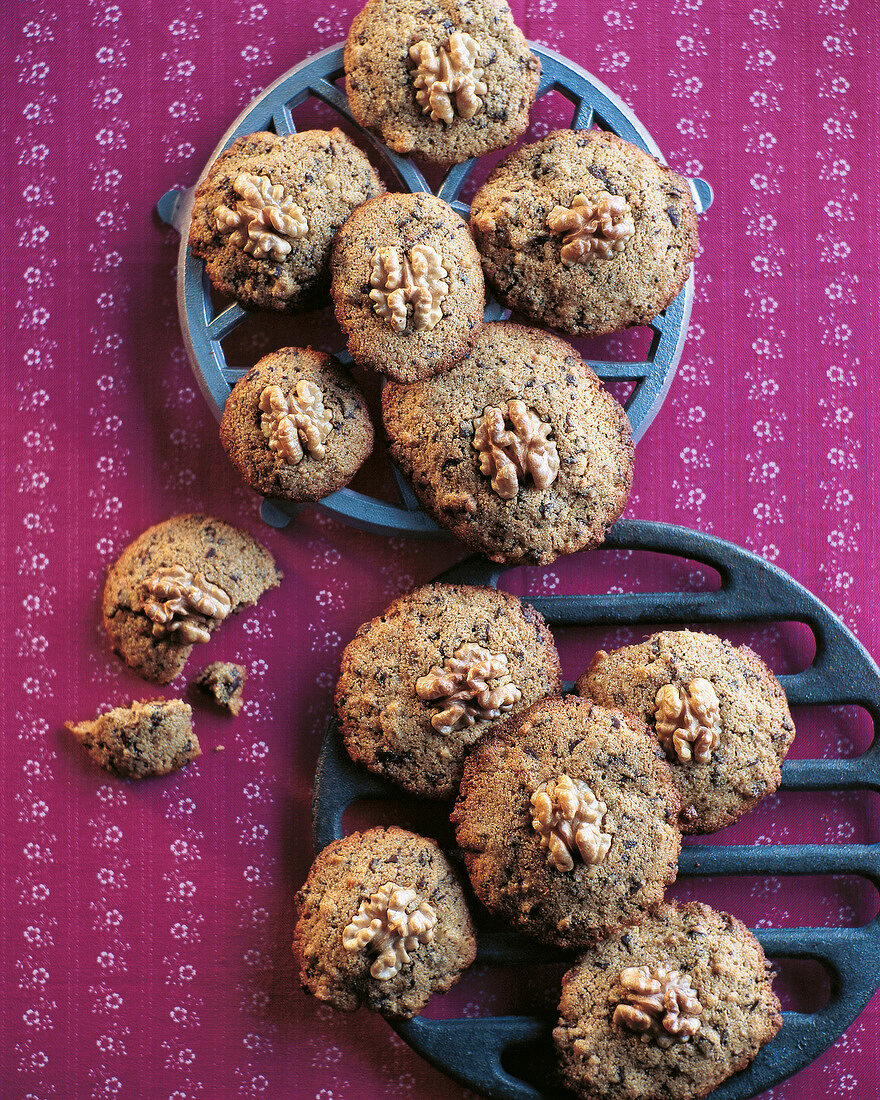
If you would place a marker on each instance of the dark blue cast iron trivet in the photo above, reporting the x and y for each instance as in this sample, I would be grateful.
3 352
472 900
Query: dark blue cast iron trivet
203 331
471 1050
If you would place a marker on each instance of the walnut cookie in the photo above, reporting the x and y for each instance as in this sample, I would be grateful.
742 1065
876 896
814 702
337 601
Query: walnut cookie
420 683
518 449
448 80
671 1008
296 426
174 585
585 232
719 712
383 922
265 215
567 819
407 285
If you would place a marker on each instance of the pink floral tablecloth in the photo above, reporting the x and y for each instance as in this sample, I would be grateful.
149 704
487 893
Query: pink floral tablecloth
146 926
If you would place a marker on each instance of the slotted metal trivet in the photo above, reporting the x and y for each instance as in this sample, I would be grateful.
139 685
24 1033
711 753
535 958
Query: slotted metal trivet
204 331
471 1050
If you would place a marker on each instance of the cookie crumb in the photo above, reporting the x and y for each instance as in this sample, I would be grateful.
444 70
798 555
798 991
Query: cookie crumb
223 681
148 738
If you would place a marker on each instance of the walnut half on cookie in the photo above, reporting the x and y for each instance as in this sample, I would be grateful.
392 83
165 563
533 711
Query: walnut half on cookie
266 212
426 678
407 285
567 818
518 449
670 1008
585 232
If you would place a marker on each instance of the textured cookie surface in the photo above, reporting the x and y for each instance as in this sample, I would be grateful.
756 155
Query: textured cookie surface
414 341
296 426
320 172
223 681
523 256
433 436
381 76
344 878
634 805
435 642
151 738
721 962
755 726
237 568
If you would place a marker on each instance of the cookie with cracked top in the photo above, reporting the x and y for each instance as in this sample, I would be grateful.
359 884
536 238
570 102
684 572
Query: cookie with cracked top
296 426
447 80
567 819
420 683
518 449
585 232
362 894
722 992
149 738
174 585
740 721
407 285
265 214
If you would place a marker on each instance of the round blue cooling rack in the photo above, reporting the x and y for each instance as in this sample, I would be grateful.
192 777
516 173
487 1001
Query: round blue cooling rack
204 330
511 1057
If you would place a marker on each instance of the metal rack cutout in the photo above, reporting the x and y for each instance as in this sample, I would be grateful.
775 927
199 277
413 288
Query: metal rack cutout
471 1049
204 330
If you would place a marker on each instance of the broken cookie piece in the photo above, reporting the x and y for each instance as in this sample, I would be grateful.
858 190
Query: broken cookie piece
149 738
223 681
